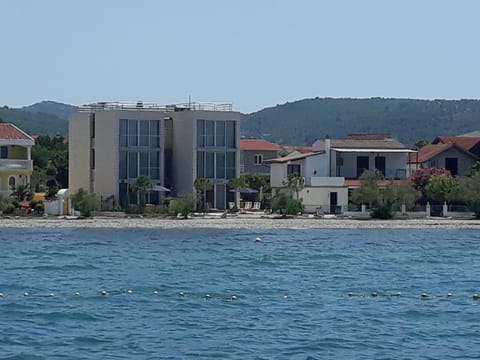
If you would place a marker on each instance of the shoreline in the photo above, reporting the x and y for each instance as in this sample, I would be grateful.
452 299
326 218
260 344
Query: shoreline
241 222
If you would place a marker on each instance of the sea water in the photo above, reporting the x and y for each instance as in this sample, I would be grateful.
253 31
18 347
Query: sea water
299 294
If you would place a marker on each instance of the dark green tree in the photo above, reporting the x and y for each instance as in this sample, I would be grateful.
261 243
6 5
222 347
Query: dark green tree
295 183
142 186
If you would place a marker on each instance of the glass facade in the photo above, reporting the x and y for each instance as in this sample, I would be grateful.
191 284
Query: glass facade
139 155
216 156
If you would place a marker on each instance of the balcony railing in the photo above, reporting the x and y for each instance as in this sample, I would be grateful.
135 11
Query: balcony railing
146 106
16 165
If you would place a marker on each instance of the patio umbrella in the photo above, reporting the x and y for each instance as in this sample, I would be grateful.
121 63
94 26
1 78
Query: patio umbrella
160 188
245 190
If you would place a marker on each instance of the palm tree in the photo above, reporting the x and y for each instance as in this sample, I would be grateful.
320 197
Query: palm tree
142 186
202 185
21 192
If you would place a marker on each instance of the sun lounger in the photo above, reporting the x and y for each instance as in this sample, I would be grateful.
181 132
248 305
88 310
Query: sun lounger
256 205
248 205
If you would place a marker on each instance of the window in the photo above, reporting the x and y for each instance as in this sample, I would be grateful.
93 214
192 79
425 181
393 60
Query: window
92 126
132 132
209 133
200 164
11 182
4 152
200 133
144 132
144 164
155 165
123 165
220 133
220 165
123 132
154 133
92 159
293 169
132 165
230 134
209 165
230 165
258 160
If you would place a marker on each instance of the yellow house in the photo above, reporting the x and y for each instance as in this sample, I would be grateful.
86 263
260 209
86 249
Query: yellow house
16 163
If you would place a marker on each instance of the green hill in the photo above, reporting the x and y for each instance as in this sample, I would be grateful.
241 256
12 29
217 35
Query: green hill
302 122
45 118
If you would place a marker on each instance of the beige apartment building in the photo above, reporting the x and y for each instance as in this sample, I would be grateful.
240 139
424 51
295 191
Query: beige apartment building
112 144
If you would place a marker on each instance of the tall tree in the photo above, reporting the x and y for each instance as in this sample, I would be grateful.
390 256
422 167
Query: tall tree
202 185
295 183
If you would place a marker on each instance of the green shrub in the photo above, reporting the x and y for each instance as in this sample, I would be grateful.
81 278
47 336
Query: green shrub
85 202
183 205
383 212
285 205
39 208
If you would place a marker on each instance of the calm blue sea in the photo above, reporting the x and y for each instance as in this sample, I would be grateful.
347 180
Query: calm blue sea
292 294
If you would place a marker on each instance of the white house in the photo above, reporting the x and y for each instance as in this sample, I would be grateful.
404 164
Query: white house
334 166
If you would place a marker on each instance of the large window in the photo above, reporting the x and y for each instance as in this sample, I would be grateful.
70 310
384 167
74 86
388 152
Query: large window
134 164
216 165
218 133
139 133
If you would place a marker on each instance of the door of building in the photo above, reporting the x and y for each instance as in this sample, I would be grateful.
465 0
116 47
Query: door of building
333 202
362 165
451 164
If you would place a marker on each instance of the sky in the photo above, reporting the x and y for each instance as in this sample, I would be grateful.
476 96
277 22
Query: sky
252 53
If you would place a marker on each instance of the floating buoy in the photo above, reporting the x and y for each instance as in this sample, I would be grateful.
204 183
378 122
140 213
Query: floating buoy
476 297
285 296
51 295
398 293
258 239
103 293
207 296
233 297
1 294
424 295
26 294
181 293
349 294
449 294
374 294
155 292
77 293
129 291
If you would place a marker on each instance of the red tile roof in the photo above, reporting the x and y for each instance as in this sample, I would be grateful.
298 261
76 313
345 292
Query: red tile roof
429 151
258 144
11 132
463 141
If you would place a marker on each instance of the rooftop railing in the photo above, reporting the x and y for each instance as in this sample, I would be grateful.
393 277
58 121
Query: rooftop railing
145 106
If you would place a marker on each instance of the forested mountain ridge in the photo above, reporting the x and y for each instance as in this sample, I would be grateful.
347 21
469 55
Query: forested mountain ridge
304 121
44 118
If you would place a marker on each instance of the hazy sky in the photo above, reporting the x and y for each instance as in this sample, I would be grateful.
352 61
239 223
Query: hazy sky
252 53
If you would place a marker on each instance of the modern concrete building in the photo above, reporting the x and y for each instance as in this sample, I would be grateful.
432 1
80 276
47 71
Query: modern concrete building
16 165
112 144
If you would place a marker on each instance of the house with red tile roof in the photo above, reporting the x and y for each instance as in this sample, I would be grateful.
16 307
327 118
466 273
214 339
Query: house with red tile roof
16 165
469 143
449 155
334 165
253 153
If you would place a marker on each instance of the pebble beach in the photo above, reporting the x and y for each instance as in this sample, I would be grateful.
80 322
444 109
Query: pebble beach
239 222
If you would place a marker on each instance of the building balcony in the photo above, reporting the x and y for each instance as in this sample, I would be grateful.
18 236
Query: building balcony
324 181
13 165
390 173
